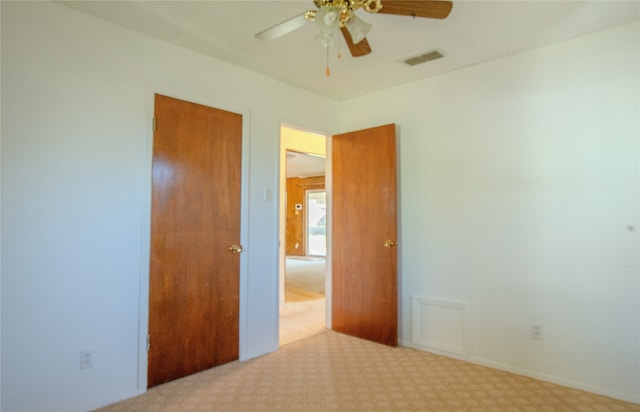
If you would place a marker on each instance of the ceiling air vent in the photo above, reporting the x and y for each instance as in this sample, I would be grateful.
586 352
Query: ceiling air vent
432 55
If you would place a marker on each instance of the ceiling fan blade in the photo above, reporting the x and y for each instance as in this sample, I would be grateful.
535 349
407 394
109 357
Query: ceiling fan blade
283 28
361 48
417 8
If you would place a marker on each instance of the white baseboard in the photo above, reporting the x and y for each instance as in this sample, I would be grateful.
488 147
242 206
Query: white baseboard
627 397
117 397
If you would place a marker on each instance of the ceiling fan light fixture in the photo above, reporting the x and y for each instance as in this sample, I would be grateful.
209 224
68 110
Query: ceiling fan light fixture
330 17
358 28
336 18
327 18
327 38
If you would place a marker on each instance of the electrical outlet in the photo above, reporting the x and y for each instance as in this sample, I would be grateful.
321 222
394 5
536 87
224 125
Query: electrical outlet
536 331
86 359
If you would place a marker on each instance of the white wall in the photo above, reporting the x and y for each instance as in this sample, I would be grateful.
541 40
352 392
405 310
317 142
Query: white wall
519 179
519 186
77 97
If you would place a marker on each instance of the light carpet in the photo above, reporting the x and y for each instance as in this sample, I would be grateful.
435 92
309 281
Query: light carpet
299 320
306 274
335 372
303 314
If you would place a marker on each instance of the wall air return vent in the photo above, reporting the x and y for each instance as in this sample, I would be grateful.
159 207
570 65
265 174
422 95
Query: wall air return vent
423 58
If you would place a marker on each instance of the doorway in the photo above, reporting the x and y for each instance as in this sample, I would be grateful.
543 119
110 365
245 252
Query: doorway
362 278
303 208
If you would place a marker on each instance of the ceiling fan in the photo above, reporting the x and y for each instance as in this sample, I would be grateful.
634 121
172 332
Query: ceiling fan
332 16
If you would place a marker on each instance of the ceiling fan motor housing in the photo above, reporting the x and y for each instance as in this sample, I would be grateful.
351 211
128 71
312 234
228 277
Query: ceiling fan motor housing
372 6
346 8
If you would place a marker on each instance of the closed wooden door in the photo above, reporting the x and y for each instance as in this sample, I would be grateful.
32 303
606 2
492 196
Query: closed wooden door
195 219
364 230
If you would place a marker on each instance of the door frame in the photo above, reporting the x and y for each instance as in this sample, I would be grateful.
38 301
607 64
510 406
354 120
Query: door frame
282 220
145 230
329 190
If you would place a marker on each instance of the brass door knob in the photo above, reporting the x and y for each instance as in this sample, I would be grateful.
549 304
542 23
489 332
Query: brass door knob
235 248
389 243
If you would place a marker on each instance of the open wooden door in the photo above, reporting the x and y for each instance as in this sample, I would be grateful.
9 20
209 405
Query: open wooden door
364 230
195 227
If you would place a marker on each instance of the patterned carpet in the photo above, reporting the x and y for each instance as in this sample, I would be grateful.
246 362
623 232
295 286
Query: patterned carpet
335 372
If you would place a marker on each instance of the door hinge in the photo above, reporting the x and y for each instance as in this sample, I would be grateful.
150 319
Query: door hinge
148 343
154 123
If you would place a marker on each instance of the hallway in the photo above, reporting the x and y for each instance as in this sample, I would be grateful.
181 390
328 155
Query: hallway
305 303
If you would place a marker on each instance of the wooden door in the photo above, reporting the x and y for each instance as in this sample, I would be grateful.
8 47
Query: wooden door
195 218
364 230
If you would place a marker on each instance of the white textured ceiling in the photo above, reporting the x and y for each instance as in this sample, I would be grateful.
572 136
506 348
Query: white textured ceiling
305 165
474 32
